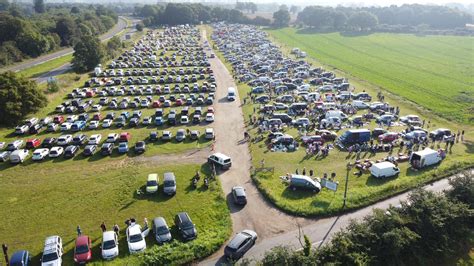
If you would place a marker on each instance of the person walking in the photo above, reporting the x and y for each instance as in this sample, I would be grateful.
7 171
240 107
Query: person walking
116 229
79 231
103 227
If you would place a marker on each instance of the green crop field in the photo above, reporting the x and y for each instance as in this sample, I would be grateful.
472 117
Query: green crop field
435 72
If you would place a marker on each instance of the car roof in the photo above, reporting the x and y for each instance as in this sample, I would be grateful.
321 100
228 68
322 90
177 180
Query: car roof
108 235
237 240
152 177
82 240
134 229
18 256
169 176
159 221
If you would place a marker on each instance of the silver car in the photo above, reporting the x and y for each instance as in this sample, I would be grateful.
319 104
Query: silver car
169 183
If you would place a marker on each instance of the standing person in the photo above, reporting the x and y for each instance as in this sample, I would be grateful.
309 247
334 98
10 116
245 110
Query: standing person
116 229
462 135
304 170
103 227
311 172
79 231
145 221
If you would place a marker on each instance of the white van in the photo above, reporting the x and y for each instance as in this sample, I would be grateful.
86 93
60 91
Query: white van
384 169
18 156
336 113
426 157
231 94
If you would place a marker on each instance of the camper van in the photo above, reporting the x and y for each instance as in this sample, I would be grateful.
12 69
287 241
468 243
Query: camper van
424 158
351 137
384 169
231 94
336 113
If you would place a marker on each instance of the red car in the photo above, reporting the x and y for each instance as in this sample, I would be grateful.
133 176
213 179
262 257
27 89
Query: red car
33 143
82 251
388 137
90 94
179 102
97 117
155 104
125 137
210 109
59 119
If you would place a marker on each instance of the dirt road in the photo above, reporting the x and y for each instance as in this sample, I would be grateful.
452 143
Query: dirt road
258 214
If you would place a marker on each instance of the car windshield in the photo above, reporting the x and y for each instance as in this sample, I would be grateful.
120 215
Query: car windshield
151 183
187 225
169 183
162 230
136 238
109 244
82 249
49 257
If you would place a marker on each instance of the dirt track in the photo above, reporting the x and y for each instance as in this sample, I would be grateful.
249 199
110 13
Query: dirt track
258 214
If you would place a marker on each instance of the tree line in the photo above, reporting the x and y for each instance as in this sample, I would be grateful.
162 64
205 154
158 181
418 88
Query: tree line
428 229
365 18
32 30
188 13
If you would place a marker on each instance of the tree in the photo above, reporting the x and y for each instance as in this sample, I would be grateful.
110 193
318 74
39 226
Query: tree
75 10
67 29
362 20
4 5
281 18
139 26
19 97
252 7
463 188
307 246
88 53
294 9
39 6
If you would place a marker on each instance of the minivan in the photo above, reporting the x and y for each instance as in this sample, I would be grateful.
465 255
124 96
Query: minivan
169 183
185 226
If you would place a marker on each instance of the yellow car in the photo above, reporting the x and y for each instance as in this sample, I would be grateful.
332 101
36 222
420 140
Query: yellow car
152 183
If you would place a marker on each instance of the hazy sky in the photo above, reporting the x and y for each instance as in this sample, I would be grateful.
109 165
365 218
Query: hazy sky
365 2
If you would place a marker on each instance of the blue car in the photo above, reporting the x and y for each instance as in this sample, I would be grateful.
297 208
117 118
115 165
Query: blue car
78 126
123 147
20 258
159 121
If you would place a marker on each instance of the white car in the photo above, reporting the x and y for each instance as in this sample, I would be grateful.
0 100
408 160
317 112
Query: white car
71 118
184 119
64 140
96 107
40 154
94 124
95 139
66 126
209 117
56 152
52 252
109 245
107 123
135 239
112 137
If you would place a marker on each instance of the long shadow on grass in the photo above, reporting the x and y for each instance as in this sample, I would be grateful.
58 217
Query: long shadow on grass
373 181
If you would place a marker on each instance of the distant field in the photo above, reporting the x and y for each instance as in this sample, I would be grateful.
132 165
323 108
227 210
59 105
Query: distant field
435 72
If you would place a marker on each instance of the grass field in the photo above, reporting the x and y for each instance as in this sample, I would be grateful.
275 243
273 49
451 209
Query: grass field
432 71
362 190
45 67
53 198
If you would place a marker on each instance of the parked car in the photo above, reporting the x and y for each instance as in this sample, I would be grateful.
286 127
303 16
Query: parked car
185 226
240 244
33 143
79 139
112 138
95 139
209 117
52 251
152 183
5 156
82 250
388 137
167 135
161 230
18 156
109 247
180 135
14 145
140 147
64 140
209 134
304 182
107 149
123 147
56 152
125 137
135 239
89 150
169 183
70 151
239 195
20 258
40 154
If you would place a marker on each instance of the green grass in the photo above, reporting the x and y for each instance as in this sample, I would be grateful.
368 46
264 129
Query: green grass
432 71
40 69
363 190
53 198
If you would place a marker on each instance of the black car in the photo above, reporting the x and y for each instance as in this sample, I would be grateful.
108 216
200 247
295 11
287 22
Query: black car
153 136
140 147
185 226
79 139
89 150
70 151
134 122
238 193
49 142
107 149
240 244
